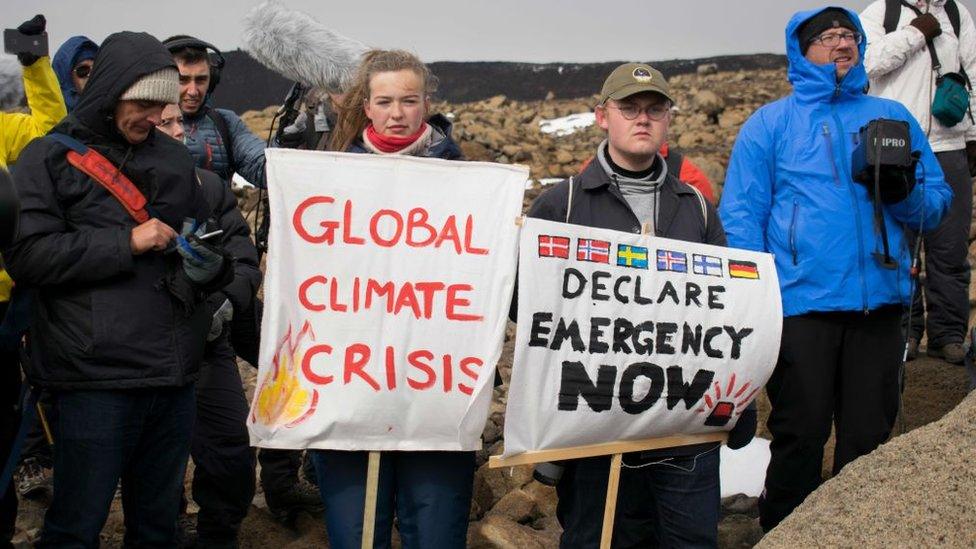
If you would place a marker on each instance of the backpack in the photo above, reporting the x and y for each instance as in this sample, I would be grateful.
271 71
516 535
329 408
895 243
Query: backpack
893 14
224 131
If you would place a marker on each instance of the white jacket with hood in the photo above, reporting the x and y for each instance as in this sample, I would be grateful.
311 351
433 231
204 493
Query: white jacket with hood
899 65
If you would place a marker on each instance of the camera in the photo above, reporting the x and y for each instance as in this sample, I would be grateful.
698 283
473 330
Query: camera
883 160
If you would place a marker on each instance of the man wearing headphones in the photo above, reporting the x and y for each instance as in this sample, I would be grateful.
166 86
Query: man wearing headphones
217 138
220 142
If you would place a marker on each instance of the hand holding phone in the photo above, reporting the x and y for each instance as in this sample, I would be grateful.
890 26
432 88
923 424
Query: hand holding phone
28 41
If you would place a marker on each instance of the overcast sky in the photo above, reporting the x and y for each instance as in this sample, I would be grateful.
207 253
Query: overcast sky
463 30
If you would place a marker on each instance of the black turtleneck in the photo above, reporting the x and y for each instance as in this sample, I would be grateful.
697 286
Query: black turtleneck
652 172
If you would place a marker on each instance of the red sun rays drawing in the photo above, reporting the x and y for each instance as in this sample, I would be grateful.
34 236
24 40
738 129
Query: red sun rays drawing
721 406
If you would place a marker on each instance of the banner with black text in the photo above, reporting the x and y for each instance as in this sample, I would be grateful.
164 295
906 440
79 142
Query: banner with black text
627 337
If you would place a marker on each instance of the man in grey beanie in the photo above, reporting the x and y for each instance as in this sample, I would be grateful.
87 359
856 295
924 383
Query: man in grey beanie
119 323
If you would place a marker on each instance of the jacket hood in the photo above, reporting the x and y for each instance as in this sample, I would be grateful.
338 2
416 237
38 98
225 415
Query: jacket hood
74 50
123 58
816 83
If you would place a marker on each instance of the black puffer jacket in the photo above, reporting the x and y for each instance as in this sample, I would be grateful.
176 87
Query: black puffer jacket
103 318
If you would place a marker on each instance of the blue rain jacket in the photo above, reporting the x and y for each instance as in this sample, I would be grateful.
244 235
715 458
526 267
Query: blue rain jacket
74 50
789 190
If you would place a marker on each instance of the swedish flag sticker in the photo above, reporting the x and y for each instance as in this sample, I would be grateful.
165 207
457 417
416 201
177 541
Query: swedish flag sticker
631 256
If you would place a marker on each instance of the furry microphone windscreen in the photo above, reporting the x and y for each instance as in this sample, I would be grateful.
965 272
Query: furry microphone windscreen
300 48
11 83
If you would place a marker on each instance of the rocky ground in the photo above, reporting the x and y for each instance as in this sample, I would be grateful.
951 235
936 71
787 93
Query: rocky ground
512 511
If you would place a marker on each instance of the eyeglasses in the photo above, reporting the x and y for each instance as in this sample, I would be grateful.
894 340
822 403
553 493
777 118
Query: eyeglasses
833 40
631 111
82 71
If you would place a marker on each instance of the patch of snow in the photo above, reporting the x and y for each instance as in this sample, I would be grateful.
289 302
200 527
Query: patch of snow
743 471
238 182
544 182
567 125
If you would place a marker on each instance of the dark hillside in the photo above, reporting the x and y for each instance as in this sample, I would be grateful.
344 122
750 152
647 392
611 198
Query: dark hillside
246 84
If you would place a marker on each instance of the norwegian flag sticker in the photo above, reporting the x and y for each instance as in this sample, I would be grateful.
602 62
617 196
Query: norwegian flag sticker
597 251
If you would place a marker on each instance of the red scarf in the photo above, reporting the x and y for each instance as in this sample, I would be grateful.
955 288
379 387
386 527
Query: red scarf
392 143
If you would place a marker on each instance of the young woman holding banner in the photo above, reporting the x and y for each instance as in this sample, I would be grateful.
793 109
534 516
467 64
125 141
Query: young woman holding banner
386 112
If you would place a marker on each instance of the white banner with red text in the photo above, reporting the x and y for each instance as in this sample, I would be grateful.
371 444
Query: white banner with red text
387 290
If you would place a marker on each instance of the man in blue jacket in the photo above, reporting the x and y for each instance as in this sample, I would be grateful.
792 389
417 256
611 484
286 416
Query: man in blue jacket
790 192
217 138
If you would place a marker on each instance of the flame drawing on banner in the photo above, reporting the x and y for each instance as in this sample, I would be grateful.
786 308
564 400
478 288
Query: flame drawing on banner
721 405
281 397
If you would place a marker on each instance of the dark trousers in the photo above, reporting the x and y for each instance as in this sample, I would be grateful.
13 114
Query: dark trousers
36 445
9 423
223 477
664 502
139 436
429 492
833 367
946 285
279 468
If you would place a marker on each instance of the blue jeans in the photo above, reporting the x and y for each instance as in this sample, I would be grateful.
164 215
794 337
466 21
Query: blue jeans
429 492
139 436
674 503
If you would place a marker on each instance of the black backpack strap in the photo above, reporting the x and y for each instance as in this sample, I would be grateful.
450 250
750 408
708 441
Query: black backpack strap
674 162
952 10
224 130
892 15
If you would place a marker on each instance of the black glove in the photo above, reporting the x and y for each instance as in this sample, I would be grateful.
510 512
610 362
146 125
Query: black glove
223 313
896 183
928 24
292 136
744 429
31 27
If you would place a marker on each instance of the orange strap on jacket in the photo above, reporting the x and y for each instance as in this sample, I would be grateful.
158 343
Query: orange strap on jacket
94 165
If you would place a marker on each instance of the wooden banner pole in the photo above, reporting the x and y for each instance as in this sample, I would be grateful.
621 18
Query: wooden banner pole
604 449
369 513
611 506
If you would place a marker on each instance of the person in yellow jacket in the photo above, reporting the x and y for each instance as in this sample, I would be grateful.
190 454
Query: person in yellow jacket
46 109
43 97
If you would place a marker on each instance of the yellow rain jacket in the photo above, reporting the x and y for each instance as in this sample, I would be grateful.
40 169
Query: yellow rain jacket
18 129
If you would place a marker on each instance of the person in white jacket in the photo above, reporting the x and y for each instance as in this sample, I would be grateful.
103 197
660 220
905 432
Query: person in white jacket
900 67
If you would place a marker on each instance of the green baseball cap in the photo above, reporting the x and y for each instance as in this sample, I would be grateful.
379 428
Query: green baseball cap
631 78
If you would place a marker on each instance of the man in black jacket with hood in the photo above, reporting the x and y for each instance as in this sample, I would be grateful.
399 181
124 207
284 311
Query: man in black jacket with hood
118 323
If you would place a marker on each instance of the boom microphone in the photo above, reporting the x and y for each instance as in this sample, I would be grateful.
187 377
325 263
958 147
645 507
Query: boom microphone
298 47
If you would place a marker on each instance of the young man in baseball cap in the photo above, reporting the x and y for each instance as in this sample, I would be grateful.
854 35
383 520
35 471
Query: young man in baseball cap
667 497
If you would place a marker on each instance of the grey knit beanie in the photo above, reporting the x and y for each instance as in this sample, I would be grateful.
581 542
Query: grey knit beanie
162 86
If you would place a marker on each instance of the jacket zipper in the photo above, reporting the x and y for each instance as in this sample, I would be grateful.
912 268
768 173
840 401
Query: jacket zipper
796 210
857 211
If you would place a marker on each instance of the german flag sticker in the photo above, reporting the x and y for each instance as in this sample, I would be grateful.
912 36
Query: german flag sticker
743 269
